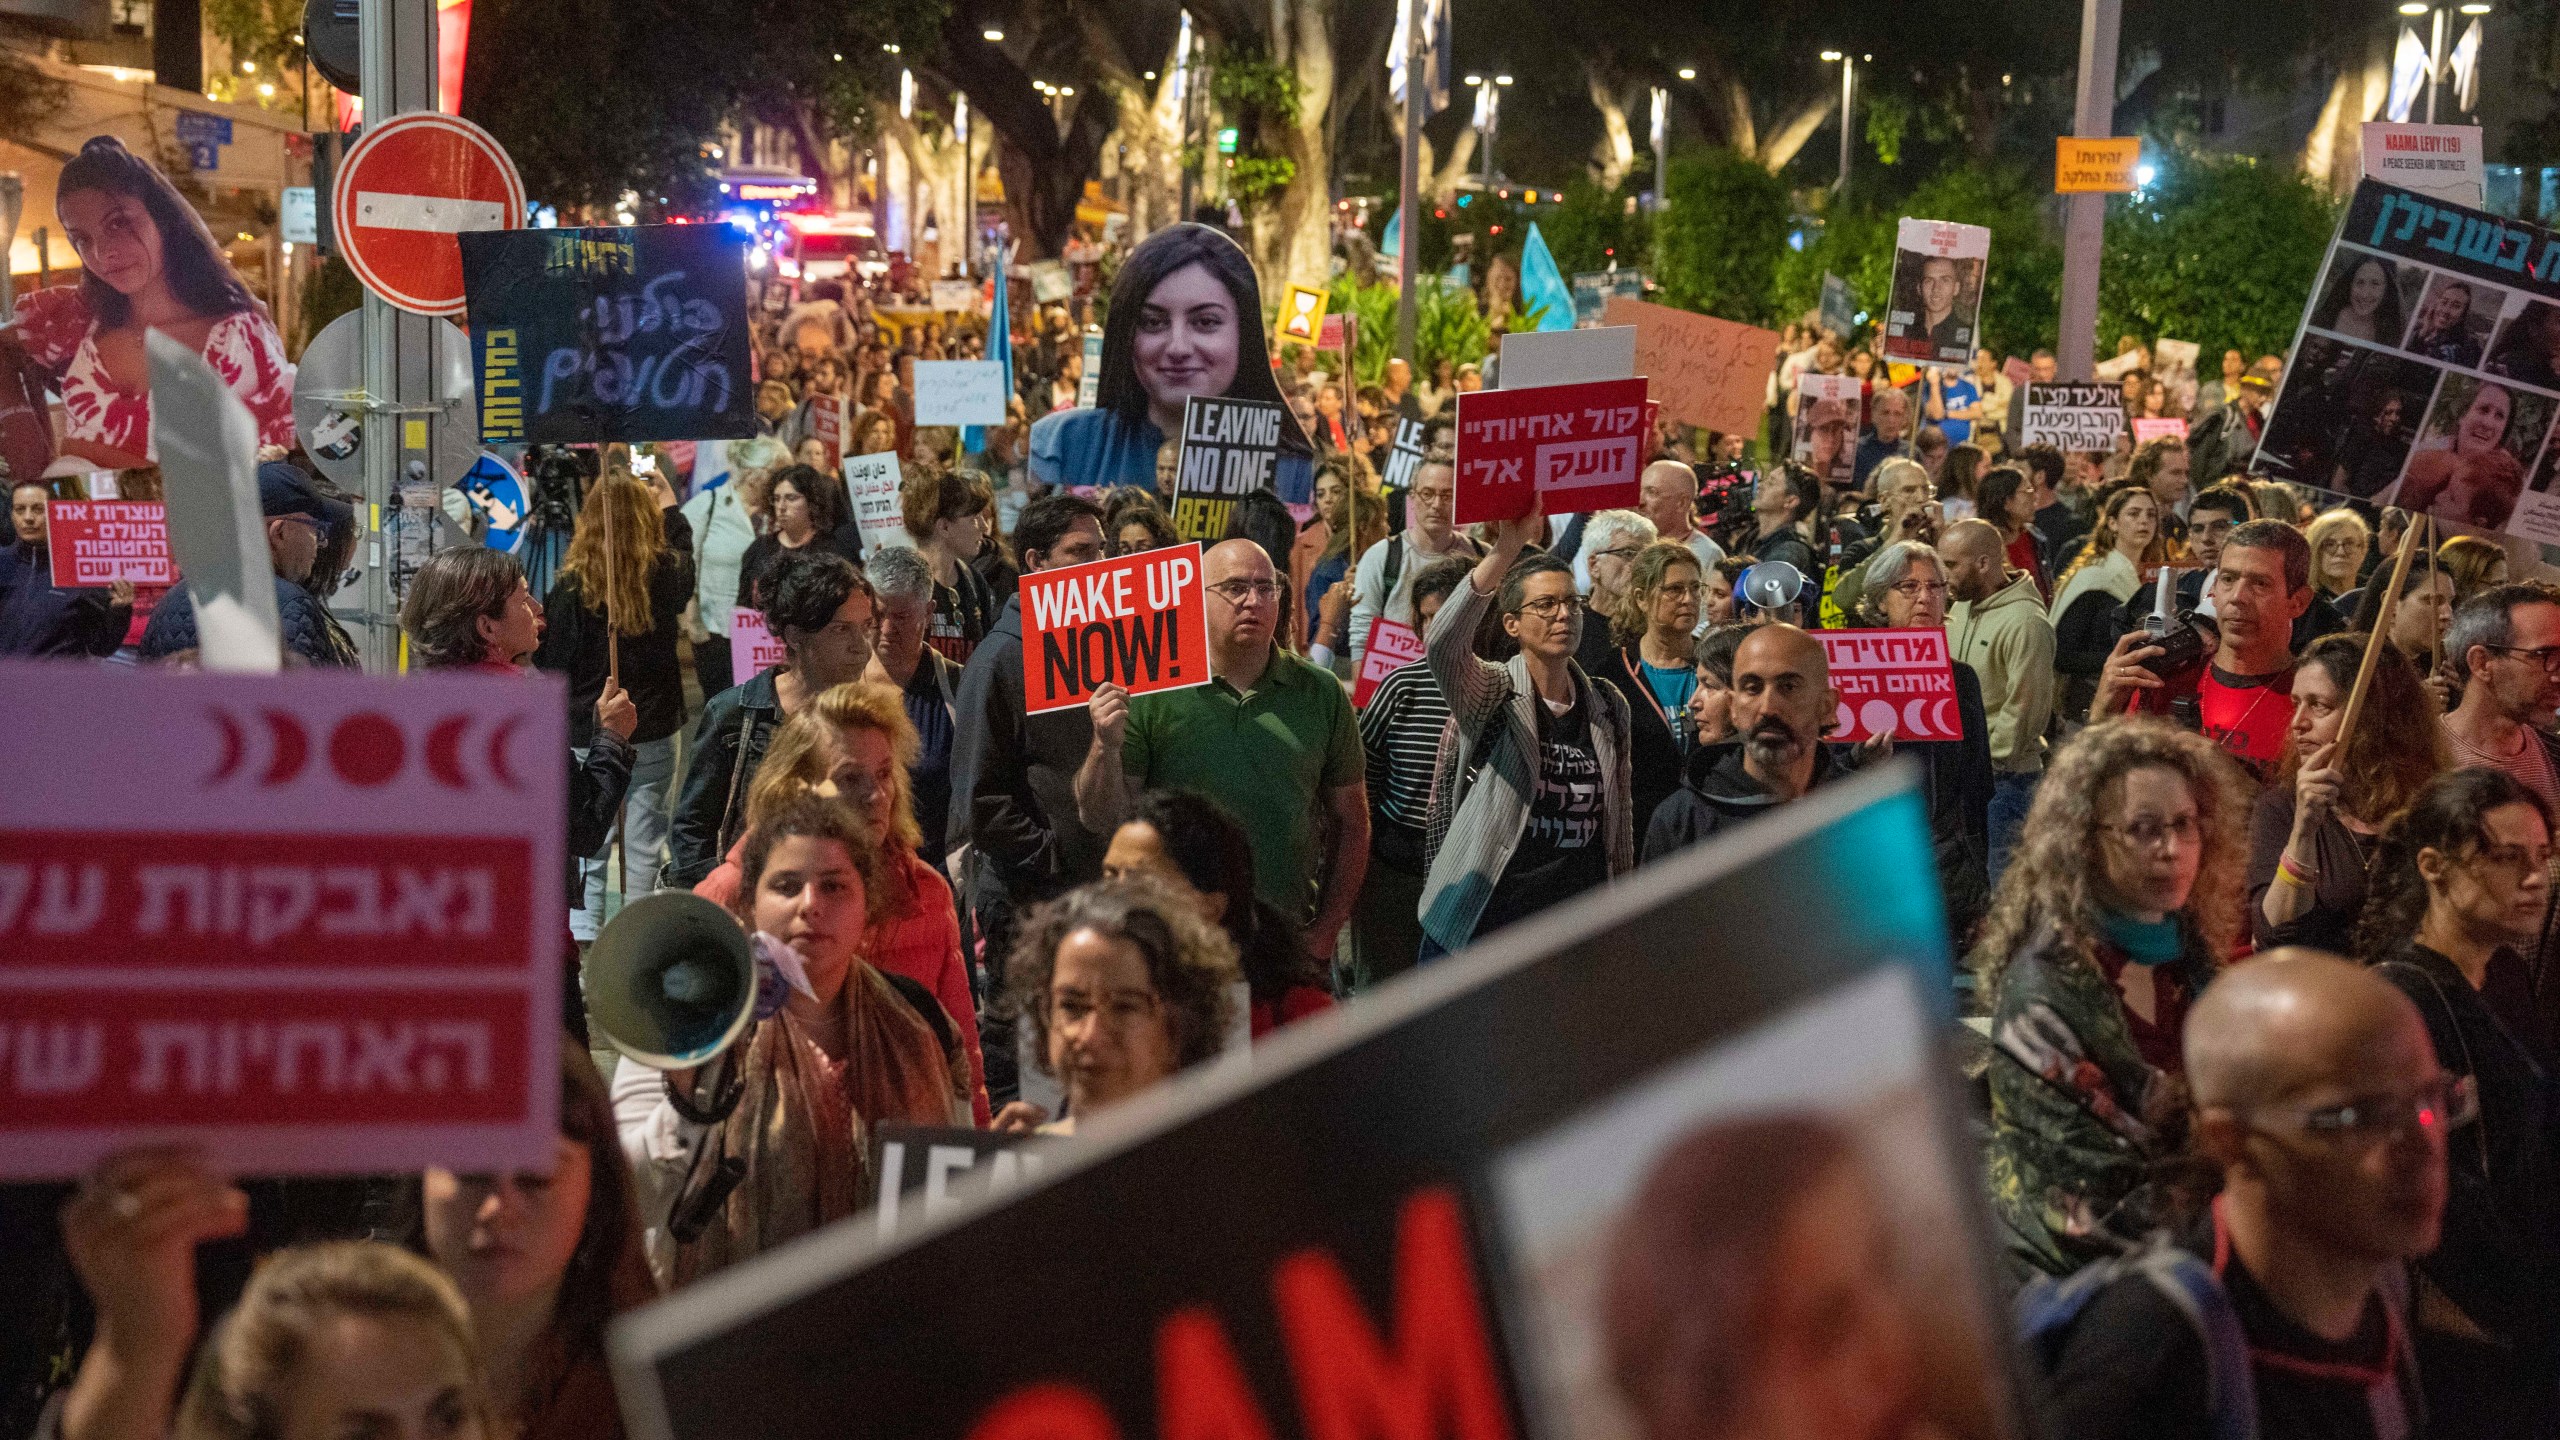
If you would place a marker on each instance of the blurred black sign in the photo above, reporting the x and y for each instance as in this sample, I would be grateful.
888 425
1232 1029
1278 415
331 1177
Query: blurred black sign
627 333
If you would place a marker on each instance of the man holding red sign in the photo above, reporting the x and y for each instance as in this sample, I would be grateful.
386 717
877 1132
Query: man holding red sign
1571 447
38 614
1270 737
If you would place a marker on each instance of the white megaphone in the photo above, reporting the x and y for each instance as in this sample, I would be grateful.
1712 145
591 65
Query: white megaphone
671 981
1771 585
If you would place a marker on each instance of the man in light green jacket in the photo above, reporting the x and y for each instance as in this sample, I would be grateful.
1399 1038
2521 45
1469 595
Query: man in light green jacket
1999 627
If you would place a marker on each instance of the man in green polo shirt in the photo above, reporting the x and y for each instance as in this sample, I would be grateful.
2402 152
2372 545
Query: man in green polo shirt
1270 737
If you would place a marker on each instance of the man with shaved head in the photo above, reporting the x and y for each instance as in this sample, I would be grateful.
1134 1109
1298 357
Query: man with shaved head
1669 499
1998 625
1270 737
2318 1095
1782 704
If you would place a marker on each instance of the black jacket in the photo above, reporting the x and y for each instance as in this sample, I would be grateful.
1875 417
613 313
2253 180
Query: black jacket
728 744
1013 781
303 621
1717 792
574 645
2499 1259
39 618
1956 778
1654 753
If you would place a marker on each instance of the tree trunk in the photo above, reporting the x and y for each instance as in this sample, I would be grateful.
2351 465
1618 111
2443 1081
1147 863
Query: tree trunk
1787 139
933 158
1293 232
1144 147
1442 183
2333 155
1616 151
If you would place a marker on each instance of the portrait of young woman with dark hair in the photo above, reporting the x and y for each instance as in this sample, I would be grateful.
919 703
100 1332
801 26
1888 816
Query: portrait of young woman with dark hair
1186 320
147 262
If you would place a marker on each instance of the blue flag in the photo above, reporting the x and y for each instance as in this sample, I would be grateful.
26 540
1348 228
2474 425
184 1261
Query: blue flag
1542 285
1000 349
1391 245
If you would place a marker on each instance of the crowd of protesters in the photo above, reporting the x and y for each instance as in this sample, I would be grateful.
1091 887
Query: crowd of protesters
2256 904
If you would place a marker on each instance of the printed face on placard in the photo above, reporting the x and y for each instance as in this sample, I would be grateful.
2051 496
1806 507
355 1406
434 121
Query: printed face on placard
143 252
1186 339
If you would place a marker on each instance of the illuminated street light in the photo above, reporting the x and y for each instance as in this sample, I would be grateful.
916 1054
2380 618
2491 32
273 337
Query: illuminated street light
1688 72
994 36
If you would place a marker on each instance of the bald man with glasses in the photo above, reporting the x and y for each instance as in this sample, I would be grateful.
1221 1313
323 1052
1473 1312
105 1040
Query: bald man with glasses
1270 737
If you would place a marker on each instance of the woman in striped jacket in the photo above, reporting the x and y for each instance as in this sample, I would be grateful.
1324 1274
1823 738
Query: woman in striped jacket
1532 799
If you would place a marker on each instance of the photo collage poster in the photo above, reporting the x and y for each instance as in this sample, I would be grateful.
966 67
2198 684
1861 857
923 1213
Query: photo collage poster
2426 373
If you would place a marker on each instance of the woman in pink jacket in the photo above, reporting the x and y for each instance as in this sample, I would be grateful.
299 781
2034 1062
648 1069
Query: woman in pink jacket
855 743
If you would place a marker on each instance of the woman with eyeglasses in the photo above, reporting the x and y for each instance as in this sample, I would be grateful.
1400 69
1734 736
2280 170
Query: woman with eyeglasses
2315 827
1652 661
1538 788
1124 985
2460 887
1906 589
2120 902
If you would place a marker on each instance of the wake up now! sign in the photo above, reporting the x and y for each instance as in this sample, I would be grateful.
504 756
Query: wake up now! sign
1140 622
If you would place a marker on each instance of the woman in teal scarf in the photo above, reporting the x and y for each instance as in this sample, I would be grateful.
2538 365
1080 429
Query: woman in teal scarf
2123 900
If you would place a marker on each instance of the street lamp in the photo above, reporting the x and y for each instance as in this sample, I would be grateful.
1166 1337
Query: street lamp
1688 72
994 36
1848 92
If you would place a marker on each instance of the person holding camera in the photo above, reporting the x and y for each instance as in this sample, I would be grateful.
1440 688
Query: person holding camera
2241 698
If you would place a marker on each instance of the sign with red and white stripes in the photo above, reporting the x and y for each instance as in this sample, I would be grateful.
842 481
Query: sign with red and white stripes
405 190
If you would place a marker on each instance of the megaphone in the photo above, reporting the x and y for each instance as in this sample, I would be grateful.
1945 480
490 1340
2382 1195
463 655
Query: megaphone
671 981
1771 584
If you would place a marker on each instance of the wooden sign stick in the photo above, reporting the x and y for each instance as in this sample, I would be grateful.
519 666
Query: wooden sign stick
2381 635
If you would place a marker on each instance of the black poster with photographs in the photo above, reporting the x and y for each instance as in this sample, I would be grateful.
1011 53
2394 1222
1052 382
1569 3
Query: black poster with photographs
2427 371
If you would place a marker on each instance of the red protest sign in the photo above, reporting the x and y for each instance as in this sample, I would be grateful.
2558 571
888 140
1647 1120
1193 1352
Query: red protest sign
826 426
98 542
1140 621
318 934
1391 647
1579 446
1892 680
752 648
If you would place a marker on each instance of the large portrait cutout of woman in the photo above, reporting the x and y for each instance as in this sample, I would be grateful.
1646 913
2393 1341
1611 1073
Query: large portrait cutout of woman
147 262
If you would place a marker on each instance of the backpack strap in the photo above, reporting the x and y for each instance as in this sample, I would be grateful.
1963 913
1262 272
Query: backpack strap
2048 1307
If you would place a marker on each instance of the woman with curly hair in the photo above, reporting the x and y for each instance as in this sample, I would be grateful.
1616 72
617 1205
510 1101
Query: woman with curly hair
1653 662
1123 985
2314 827
2121 901
2460 888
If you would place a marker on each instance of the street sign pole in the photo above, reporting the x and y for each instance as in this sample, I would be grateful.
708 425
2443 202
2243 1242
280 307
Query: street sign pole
398 39
2085 228
1408 222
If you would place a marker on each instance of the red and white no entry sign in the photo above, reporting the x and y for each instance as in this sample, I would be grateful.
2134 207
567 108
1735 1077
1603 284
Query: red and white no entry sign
405 190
